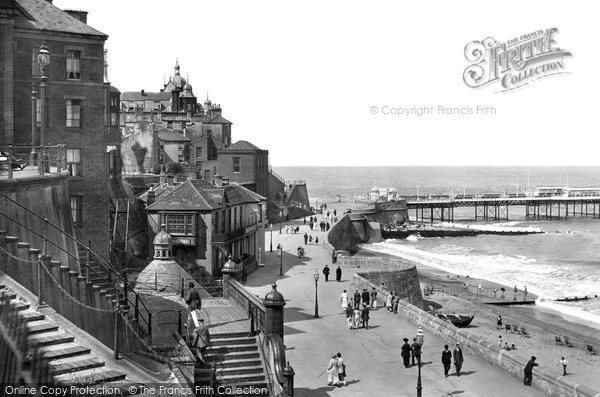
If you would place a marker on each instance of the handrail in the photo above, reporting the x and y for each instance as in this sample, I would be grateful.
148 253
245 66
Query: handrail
275 344
113 274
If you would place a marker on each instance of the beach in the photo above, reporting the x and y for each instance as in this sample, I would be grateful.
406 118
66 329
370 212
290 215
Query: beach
542 324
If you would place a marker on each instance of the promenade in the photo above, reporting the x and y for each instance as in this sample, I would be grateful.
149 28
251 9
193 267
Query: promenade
372 357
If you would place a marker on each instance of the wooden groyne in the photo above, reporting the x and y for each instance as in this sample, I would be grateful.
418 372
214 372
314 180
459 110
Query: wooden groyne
449 232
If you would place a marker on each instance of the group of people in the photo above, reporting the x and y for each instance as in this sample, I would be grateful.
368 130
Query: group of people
324 226
357 308
309 239
336 371
338 273
292 229
392 302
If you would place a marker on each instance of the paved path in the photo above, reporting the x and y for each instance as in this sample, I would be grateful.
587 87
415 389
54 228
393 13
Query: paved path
372 357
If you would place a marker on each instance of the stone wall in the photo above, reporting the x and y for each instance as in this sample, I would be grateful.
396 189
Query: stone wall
552 385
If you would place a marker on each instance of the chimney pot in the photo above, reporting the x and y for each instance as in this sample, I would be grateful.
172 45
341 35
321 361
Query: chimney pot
170 179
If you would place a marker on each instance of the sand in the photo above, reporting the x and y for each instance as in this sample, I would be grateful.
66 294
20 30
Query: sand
542 324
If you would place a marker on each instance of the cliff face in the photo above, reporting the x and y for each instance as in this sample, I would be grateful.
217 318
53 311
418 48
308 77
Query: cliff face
350 231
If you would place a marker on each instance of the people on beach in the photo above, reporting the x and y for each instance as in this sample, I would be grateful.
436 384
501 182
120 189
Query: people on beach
499 323
502 292
374 298
563 362
365 316
338 274
356 299
333 374
528 371
342 369
406 349
344 300
317 240
457 354
310 239
506 346
326 273
499 340
446 360
525 293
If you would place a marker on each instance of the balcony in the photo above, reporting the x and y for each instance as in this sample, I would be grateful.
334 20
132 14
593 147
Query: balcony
225 237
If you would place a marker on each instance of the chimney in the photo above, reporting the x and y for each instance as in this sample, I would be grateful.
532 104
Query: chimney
162 179
151 196
143 93
170 179
77 14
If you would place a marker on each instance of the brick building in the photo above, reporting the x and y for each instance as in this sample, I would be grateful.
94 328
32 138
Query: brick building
246 164
82 108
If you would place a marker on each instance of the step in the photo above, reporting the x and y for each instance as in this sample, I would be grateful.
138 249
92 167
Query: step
232 341
71 364
224 349
7 291
233 356
36 327
232 379
62 351
89 377
50 338
19 305
229 335
31 315
224 371
232 363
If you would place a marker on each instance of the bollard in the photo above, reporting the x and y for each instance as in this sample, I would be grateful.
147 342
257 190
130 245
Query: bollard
288 374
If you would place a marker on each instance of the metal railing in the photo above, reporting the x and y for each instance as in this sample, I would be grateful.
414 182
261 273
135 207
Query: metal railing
109 275
49 159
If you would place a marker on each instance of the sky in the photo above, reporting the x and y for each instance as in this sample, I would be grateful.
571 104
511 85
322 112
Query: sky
317 83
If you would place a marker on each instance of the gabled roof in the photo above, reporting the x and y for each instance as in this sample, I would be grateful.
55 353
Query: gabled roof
218 120
200 195
146 96
172 136
241 146
42 15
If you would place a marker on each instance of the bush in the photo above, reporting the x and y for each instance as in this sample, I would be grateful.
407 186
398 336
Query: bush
140 154
175 169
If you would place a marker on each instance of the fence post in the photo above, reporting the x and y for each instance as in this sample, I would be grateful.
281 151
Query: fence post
42 255
116 334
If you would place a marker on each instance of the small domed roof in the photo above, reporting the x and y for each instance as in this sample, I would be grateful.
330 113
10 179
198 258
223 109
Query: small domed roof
163 238
187 86
274 297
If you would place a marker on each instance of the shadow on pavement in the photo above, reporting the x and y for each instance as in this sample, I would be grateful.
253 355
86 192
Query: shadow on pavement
320 392
295 314
453 393
291 331
468 373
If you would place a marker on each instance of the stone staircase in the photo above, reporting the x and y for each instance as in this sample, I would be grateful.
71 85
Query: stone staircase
98 275
70 363
238 363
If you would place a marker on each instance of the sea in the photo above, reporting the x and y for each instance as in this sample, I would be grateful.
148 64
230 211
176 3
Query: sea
562 262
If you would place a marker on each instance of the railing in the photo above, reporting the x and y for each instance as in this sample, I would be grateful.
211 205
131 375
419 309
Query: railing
277 176
47 159
224 237
109 275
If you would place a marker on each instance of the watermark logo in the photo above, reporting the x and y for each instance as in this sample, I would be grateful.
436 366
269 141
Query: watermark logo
515 63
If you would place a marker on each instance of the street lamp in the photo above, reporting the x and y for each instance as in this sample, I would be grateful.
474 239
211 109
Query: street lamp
271 247
419 385
44 61
33 155
316 276
280 248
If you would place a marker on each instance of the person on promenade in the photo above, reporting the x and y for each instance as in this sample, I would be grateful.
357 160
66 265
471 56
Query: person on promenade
306 238
406 349
458 359
365 297
342 368
356 298
446 360
333 256
365 316
338 274
334 212
311 225
357 315
499 323
305 220
317 240
333 375
500 341
310 239
563 362
388 302
201 339
326 273
525 293
528 371
515 290
344 301
194 303
350 316
502 292
395 303
374 298
420 336
415 350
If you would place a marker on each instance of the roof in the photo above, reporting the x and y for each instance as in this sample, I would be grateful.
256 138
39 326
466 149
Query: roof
172 136
201 195
42 15
218 120
242 145
145 96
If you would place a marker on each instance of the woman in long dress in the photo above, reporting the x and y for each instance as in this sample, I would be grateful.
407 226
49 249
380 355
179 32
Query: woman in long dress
357 318
333 375
344 299
388 302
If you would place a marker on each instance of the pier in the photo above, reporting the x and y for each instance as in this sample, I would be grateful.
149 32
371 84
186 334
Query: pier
498 208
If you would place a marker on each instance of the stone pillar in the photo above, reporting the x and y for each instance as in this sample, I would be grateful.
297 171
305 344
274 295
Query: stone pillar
24 267
83 297
288 385
229 271
66 304
274 304
34 256
75 307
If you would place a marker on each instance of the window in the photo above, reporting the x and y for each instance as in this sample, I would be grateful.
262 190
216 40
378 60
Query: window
236 165
73 112
114 119
76 209
180 224
207 174
73 65
181 145
260 214
199 152
74 161
181 158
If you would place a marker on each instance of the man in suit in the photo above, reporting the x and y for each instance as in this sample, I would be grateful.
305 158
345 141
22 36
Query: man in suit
406 349
201 339
528 371
458 359
365 297
446 360
415 350
365 316
194 303
356 299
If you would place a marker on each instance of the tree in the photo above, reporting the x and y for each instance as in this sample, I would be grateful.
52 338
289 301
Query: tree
139 152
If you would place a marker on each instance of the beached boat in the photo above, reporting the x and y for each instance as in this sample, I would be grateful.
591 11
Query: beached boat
458 320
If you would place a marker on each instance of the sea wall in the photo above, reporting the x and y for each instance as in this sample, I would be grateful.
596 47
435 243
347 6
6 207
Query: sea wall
552 385
47 196
386 274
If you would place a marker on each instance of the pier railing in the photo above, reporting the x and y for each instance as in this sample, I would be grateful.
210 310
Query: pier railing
48 159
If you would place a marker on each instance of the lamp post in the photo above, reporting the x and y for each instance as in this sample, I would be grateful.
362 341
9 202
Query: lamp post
44 61
280 248
419 385
271 247
33 155
316 276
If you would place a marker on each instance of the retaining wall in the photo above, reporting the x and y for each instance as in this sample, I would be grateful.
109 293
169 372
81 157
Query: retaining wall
552 385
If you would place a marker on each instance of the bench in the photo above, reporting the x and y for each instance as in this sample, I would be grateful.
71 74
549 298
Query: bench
567 341
558 340
591 350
